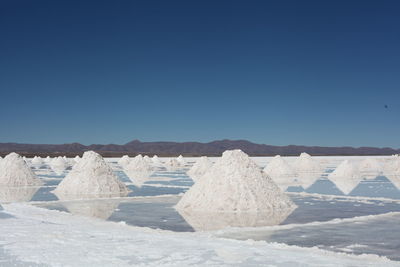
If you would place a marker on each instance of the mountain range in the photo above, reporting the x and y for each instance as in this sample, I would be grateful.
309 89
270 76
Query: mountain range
214 148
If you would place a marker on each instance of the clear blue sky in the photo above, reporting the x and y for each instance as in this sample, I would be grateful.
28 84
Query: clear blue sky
274 72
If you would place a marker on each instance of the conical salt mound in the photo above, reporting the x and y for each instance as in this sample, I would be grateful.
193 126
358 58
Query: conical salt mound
234 184
278 167
148 159
124 160
58 165
138 164
305 163
15 172
202 165
156 161
37 161
77 159
281 173
172 164
181 160
91 175
346 177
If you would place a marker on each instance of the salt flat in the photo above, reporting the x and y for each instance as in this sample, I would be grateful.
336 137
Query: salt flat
143 228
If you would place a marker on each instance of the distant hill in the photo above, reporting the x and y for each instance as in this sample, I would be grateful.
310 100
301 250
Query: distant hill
214 148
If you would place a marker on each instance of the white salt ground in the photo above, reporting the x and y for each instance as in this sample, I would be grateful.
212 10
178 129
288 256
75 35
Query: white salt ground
14 171
62 239
234 183
91 175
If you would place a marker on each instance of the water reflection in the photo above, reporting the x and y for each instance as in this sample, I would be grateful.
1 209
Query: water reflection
138 178
17 194
306 179
208 221
98 206
394 179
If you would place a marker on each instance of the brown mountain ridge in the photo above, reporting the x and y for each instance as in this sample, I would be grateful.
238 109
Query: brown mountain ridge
214 148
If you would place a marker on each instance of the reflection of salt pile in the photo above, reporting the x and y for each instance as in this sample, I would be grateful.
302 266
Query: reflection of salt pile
280 172
205 221
37 162
346 177
91 175
392 167
138 170
234 184
124 160
17 194
370 168
101 209
307 169
202 165
181 160
15 172
58 165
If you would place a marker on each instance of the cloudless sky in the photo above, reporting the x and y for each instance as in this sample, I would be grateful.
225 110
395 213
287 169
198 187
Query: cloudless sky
274 72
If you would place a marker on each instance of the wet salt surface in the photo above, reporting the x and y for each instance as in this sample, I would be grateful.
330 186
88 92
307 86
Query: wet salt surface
379 236
375 236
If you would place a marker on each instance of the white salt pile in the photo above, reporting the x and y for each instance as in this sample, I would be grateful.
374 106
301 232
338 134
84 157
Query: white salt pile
148 159
77 159
156 160
305 163
91 175
370 168
282 174
234 184
124 160
202 165
278 167
346 177
15 172
181 160
172 164
47 159
307 169
59 165
37 162
138 163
